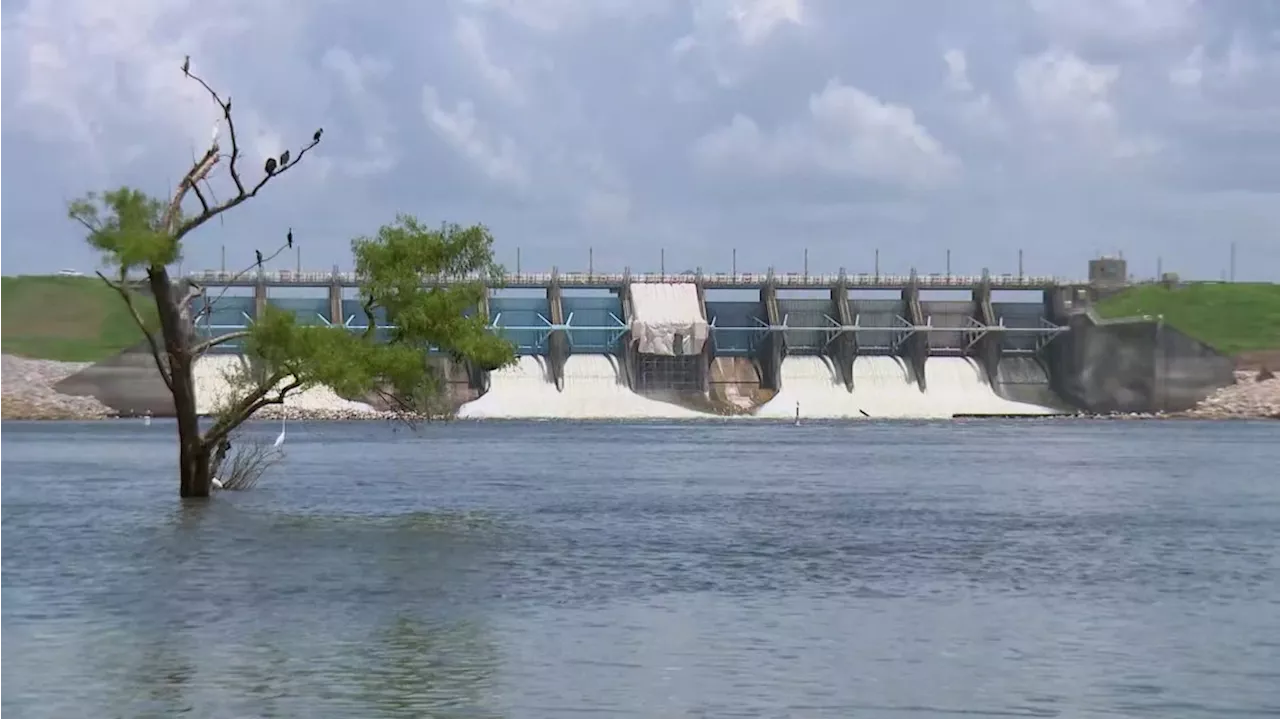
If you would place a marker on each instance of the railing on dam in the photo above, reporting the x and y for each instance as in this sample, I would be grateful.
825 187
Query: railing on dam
607 280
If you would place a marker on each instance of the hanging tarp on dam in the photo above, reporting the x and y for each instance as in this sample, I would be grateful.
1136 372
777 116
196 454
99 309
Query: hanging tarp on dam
662 312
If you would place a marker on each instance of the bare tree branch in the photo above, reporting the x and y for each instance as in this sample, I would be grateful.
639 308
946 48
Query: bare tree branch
209 344
204 204
192 292
125 293
231 128
242 194
197 173
208 307
249 404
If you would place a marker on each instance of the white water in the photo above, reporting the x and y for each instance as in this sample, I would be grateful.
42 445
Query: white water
662 310
217 385
883 388
592 390
959 385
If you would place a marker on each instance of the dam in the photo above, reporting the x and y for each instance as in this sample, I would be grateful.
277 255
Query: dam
631 346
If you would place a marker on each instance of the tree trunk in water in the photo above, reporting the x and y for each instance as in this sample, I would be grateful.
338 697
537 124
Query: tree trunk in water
193 455
175 326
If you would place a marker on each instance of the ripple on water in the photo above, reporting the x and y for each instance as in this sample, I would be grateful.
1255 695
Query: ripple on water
544 569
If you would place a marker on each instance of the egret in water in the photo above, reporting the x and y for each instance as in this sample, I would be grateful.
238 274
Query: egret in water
215 483
280 439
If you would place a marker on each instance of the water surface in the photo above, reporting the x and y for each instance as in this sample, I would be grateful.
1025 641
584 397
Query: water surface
1039 569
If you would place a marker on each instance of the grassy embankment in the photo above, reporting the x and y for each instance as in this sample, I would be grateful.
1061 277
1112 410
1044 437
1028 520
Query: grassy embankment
1235 318
73 319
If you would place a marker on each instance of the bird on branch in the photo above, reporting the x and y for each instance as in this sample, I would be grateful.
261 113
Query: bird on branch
259 254
316 137
270 167
284 159
186 66
288 239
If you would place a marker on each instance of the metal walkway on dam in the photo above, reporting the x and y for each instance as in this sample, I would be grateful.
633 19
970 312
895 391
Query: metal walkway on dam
618 318
615 280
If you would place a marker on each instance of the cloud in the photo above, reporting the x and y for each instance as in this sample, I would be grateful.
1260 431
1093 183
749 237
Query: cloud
703 126
1119 21
1069 97
495 156
846 132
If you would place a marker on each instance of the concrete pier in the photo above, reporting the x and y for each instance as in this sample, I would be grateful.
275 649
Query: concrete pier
772 348
335 304
842 347
986 348
557 342
916 346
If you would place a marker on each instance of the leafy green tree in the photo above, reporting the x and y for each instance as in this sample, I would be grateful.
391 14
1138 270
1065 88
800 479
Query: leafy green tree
136 232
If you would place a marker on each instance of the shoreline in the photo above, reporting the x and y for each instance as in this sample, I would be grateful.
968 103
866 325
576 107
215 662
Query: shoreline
28 395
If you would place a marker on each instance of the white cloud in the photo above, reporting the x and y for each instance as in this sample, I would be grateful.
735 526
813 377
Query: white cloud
1070 97
728 35
470 34
957 71
495 156
357 75
564 124
977 110
1121 21
1190 70
846 132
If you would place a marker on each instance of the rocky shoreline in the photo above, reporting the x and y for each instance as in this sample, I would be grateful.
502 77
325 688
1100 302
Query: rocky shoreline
28 391
28 394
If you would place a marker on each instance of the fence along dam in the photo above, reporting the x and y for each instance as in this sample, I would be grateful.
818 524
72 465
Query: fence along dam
623 346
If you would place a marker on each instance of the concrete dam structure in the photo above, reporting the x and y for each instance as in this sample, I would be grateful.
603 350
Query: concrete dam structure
838 346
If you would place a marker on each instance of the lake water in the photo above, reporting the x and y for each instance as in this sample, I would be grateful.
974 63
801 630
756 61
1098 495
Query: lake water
1039 569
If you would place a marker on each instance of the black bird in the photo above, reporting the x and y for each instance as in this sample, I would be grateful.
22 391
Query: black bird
284 159
259 254
288 239
186 65
316 137
270 166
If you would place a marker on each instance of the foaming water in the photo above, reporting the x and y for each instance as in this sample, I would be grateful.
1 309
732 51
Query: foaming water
592 390
217 384
959 385
653 569
1023 379
883 388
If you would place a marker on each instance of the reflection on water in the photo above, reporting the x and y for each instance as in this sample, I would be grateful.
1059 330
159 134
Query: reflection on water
541 570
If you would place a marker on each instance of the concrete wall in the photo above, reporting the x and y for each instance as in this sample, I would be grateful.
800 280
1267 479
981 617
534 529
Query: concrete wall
129 383
1138 365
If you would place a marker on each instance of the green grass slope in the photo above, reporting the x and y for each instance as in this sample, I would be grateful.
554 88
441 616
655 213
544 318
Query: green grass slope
1231 317
73 319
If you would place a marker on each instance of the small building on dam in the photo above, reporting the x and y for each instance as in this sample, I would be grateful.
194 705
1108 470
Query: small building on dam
763 344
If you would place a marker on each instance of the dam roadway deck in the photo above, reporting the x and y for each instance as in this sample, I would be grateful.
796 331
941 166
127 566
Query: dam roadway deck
617 280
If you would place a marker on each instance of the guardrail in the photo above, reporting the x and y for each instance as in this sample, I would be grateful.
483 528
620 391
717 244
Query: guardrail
605 279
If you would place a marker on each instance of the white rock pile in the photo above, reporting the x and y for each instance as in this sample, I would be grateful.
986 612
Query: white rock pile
28 391
1254 395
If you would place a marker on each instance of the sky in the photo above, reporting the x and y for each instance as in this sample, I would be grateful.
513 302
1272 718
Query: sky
626 130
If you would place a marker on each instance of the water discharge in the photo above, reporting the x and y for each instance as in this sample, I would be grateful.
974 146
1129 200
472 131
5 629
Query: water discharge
883 388
220 378
592 390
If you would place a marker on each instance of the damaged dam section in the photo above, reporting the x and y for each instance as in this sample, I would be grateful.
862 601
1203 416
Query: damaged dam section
621 346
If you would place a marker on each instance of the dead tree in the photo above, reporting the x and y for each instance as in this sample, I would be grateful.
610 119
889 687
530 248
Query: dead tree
176 347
